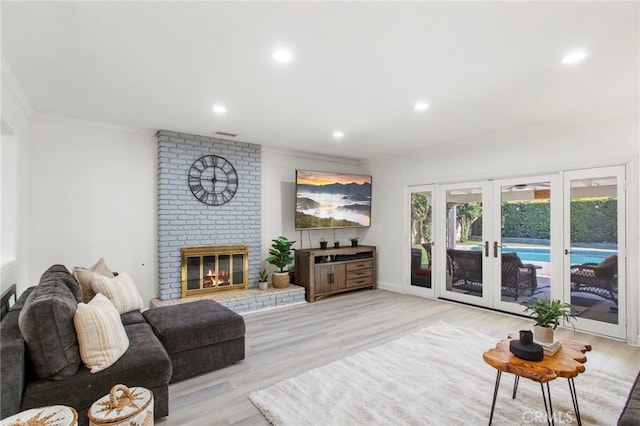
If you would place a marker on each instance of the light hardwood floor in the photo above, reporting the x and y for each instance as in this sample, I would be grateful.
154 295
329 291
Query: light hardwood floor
287 341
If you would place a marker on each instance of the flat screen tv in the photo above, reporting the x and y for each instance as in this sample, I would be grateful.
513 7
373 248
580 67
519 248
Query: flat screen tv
332 200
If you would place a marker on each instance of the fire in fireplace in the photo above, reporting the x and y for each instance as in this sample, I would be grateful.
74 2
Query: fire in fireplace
211 269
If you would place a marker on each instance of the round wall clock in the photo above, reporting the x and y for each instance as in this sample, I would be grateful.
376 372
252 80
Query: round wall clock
213 180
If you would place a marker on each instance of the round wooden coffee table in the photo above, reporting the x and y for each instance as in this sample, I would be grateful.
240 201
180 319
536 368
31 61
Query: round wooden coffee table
568 362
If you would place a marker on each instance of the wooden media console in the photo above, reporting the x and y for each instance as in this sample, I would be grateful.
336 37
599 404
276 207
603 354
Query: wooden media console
323 272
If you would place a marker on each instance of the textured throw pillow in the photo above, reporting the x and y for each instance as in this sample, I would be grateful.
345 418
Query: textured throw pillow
46 323
86 275
101 335
121 291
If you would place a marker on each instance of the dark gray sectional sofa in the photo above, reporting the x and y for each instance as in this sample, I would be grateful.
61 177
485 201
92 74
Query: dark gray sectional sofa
48 370
630 415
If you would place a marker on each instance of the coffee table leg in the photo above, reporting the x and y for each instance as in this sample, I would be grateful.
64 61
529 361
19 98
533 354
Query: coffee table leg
574 399
515 386
495 395
549 409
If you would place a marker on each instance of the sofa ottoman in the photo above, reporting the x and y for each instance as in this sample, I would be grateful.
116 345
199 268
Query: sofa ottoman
199 336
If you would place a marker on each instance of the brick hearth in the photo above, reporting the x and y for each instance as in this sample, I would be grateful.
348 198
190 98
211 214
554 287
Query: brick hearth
248 300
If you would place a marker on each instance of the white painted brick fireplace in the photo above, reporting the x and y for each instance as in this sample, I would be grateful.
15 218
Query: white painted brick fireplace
183 221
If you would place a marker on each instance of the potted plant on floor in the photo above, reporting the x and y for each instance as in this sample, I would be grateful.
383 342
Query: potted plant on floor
263 284
280 252
547 314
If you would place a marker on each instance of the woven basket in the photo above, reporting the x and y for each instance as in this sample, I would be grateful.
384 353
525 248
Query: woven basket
123 407
280 279
58 415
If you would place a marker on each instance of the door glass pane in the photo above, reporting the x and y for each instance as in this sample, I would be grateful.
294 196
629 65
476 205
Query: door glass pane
464 241
525 211
594 249
421 238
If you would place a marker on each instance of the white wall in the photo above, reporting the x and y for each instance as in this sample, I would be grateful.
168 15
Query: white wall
14 132
572 144
9 198
278 198
92 194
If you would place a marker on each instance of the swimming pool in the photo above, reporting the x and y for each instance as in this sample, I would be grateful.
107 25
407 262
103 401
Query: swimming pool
542 254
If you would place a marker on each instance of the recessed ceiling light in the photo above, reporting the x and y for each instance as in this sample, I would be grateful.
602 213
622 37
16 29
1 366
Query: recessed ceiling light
574 57
338 134
219 109
282 55
421 106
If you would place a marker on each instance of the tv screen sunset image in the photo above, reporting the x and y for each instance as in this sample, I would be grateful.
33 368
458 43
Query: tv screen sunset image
332 200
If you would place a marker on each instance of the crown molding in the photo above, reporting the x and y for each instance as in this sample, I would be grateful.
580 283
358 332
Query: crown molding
60 119
12 86
308 155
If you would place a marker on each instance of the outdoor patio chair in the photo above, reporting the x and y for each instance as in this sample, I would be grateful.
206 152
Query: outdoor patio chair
516 276
427 248
419 276
465 269
597 278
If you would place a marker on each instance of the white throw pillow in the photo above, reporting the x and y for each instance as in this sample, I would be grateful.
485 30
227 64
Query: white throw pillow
101 335
85 275
120 290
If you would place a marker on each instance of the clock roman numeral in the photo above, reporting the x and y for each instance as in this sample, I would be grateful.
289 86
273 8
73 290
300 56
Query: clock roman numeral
197 188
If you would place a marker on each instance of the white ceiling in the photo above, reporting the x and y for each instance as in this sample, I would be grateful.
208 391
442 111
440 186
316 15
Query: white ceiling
484 67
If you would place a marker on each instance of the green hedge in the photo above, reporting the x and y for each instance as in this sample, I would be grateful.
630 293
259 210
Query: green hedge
593 220
526 219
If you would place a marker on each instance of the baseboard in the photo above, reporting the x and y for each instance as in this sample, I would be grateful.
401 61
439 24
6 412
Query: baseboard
390 287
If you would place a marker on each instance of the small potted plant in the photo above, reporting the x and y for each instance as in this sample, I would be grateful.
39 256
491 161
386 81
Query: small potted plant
280 252
263 284
323 243
354 241
547 314
336 244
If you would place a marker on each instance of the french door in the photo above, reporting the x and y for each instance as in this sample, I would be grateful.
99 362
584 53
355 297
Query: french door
500 243
420 276
498 237
464 262
595 249
525 233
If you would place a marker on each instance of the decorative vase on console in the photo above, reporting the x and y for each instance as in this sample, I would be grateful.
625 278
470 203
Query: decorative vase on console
354 241
323 243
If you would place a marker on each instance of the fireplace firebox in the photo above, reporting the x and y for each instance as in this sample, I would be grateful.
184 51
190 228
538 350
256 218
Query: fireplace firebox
212 269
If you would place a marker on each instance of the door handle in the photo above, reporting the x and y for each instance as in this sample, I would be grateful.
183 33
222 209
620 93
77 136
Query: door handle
495 248
486 249
566 251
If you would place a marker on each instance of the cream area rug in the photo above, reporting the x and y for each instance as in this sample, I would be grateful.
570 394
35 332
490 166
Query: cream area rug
435 376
